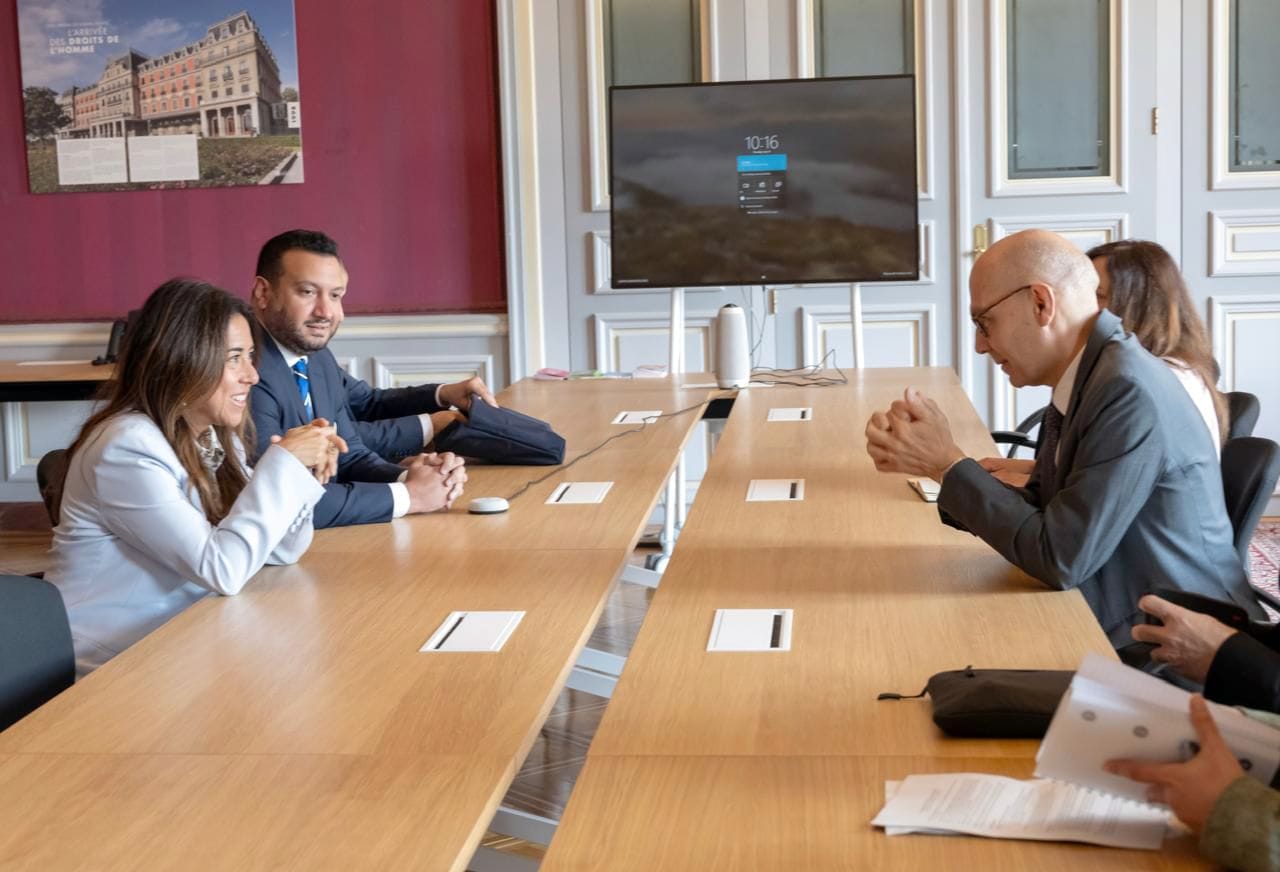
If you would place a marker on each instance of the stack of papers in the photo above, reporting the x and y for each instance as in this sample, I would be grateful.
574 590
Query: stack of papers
927 488
1006 808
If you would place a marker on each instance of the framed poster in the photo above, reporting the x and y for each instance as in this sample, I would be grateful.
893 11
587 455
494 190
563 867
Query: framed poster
126 95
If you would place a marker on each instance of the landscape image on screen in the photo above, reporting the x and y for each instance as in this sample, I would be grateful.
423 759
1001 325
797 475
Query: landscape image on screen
764 182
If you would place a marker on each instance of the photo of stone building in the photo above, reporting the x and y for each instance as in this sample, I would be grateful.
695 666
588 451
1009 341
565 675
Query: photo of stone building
224 85
218 84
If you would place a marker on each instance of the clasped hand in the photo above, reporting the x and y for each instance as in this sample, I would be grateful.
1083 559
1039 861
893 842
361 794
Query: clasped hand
316 445
912 436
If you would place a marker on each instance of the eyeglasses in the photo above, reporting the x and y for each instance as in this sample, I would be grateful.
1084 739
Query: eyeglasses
977 319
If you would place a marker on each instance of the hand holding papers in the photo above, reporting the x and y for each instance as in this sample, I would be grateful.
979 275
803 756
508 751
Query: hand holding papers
1111 711
1114 711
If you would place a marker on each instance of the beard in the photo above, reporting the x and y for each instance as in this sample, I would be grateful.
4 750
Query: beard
294 336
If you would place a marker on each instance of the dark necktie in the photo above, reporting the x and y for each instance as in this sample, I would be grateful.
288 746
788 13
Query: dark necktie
304 385
1047 453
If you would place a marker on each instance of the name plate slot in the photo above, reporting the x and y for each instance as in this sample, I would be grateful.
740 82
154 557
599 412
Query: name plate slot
579 492
751 630
473 631
794 414
638 417
767 490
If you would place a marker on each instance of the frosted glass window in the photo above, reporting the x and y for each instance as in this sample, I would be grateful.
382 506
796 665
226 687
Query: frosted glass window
864 37
1058 86
651 42
1255 82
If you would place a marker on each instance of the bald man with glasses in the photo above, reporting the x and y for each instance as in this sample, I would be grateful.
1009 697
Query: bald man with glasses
1126 493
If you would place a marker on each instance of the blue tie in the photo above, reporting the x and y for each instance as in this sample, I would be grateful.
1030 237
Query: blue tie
304 385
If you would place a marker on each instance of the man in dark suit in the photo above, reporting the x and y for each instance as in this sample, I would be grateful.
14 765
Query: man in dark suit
1126 493
297 296
396 423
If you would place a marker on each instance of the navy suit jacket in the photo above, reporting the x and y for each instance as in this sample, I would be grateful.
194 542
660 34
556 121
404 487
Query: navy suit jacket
1136 500
387 418
358 494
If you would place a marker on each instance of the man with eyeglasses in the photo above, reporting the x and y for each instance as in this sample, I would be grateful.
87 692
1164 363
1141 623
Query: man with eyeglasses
1126 494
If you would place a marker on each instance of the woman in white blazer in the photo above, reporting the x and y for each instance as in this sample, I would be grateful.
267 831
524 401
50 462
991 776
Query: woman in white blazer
159 508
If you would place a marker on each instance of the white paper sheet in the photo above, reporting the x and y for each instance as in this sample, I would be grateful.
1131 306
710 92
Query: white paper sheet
1007 808
1113 710
926 488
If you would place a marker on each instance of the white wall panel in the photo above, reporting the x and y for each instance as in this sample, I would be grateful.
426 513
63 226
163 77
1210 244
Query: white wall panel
1244 242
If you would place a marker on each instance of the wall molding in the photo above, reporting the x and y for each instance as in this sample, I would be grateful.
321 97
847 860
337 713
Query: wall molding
1224 312
999 183
1113 225
46 338
1244 242
19 464
1220 114
609 327
817 322
429 368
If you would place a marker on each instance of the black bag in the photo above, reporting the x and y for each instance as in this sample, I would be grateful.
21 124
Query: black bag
994 703
502 436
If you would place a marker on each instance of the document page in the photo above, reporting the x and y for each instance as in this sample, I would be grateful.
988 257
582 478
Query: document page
1113 710
1007 808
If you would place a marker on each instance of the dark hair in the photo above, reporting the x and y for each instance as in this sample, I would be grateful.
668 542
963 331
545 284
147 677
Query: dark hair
272 254
174 357
1152 300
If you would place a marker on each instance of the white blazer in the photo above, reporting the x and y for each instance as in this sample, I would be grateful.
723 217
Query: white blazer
133 548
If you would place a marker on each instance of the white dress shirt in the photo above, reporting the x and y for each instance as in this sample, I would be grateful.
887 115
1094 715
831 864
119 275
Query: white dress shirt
133 548
399 490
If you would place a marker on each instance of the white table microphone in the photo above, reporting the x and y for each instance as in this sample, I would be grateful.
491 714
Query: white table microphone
733 354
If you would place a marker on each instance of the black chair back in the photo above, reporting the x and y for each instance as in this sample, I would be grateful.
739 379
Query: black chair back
37 659
51 472
1242 413
1250 467
1021 437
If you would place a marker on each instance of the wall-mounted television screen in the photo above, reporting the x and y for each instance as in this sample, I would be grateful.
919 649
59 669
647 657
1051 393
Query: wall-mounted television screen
764 182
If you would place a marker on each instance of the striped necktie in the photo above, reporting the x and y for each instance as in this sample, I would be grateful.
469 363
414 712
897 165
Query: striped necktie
304 385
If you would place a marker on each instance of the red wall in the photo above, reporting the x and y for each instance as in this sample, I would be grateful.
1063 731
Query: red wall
402 158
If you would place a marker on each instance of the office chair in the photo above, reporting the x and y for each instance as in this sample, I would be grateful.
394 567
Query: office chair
1242 413
51 472
1021 437
37 659
1250 468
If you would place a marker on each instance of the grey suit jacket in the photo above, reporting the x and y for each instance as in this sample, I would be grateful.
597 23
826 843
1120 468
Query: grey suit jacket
1136 502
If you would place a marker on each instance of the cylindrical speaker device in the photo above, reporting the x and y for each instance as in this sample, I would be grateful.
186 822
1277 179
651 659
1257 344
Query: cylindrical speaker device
733 354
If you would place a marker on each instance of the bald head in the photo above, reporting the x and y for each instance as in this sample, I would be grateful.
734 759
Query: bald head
1037 256
1034 298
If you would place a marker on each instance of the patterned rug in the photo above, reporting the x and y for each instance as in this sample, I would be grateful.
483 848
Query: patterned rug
1264 554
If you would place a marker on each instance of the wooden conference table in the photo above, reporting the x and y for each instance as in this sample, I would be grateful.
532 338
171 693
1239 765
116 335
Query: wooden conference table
777 760
298 726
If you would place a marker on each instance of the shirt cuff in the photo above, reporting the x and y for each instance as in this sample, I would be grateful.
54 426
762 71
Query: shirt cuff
399 497
428 429
440 402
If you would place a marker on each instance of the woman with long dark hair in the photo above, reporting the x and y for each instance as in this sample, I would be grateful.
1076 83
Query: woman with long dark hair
159 507
1139 281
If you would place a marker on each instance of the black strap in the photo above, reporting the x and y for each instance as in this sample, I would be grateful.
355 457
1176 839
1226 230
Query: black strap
968 670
